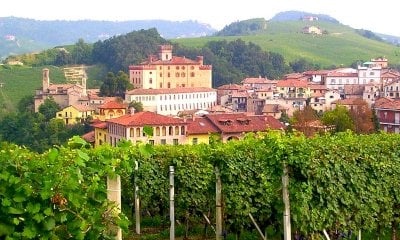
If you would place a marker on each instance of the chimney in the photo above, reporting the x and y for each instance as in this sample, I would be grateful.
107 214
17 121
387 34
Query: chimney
200 59
131 111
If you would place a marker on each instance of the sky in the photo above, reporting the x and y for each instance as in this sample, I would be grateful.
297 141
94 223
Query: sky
378 16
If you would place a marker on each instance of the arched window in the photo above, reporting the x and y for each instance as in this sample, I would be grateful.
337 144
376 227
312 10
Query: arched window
164 131
131 132
158 131
137 132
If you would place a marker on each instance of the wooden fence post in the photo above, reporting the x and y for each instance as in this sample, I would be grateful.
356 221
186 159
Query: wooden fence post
171 203
137 200
218 204
286 214
114 195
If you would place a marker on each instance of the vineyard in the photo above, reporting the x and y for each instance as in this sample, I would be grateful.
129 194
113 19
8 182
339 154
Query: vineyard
339 184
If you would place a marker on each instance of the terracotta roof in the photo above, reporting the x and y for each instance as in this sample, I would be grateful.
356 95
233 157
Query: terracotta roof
240 122
89 137
292 83
387 103
349 101
317 87
240 95
140 91
258 80
82 108
113 105
317 72
201 125
230 87
342 74
146 118
173 61
102 125
294 76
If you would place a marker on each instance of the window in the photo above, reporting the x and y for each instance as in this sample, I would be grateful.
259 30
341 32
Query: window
183 74
169 74
177 67
169 85
170 131
372 73
151 142
192 74
195 141
163 141
150 80
175 141
177 74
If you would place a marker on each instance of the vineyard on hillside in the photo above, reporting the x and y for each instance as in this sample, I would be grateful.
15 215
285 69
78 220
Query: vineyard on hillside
339 183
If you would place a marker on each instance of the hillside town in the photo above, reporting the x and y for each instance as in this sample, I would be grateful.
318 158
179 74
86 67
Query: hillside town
181 106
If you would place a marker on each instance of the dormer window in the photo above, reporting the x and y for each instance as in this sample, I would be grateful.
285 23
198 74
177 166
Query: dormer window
225 122
243 121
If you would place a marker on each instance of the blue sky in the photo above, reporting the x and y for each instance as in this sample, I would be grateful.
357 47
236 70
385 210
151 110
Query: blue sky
379 16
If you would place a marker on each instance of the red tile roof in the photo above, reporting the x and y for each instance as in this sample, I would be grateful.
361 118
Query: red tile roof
101 125
230 87
140 91
201 125
350 101
173 61
258 80
89 137
146 118
240 122
292 83
317 72
113 105
342 74
387 103
317 87
82 108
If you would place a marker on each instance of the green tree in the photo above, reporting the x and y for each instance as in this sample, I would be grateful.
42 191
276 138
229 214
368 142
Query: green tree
109 85
26 104
122 84
138 106
49 108
82 53
340 118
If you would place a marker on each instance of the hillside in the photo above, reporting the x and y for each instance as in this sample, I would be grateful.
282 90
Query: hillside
297 15
21 35
19 81
340 46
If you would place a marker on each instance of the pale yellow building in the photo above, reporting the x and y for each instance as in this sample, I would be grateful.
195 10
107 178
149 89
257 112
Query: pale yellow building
293 88
75 114
168 71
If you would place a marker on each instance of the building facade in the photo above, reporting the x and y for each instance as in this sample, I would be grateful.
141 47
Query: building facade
168 71
174 100
132 127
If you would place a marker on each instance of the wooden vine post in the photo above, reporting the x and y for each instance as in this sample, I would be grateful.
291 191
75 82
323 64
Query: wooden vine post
286 214
137 200
114 195
171 203
218 204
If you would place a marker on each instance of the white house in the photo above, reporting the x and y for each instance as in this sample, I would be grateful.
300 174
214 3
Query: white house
173 100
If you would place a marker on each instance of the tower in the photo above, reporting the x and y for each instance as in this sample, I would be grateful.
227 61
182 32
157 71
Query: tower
45 79
165 52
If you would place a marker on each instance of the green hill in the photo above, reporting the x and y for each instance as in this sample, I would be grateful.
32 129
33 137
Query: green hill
341 45
21 81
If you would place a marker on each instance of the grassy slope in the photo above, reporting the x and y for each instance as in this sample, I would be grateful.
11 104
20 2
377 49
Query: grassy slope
22 81
342 46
